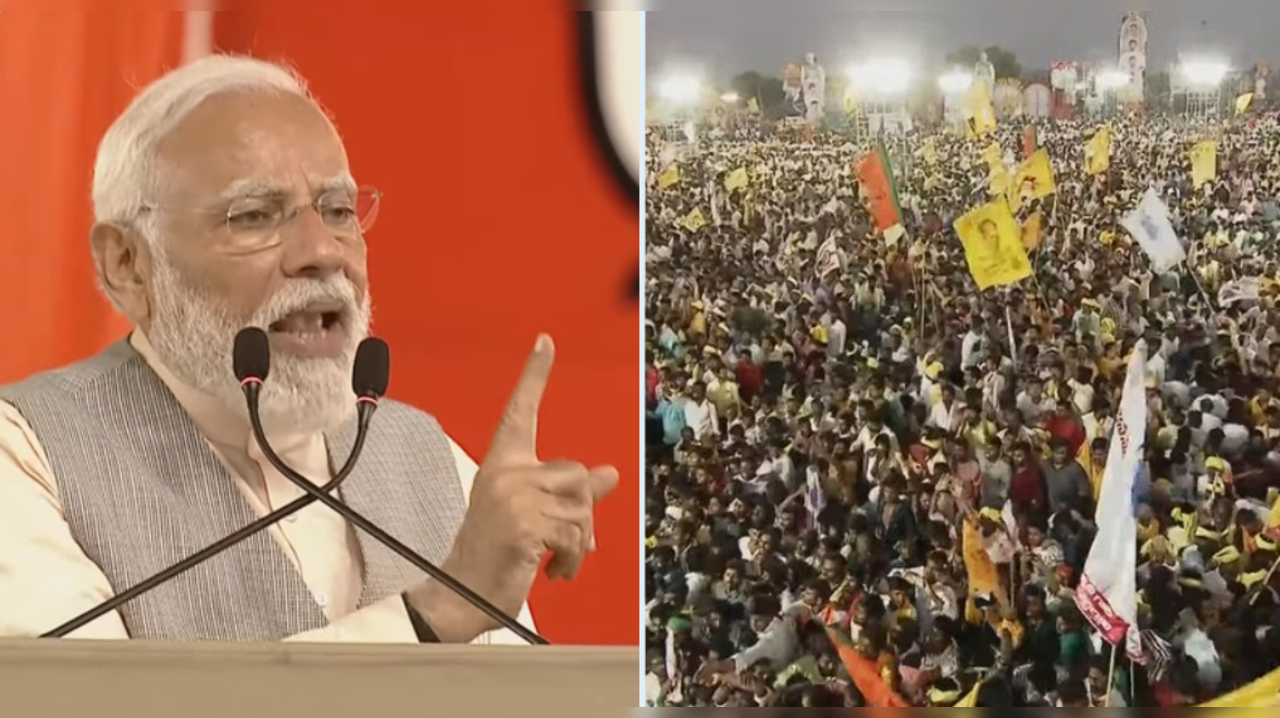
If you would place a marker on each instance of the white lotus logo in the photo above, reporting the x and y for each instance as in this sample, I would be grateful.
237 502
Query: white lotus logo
616 39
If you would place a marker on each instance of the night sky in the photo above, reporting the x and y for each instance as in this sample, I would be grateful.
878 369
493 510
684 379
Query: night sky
722 37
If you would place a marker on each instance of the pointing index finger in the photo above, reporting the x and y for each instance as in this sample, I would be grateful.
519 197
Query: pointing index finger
517 434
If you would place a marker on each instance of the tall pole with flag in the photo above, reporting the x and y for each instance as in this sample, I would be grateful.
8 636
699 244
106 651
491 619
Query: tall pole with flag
1107 592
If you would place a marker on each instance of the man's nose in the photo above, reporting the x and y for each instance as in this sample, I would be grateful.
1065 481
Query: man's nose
311 249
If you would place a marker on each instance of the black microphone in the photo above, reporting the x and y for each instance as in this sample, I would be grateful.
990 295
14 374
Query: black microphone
369 380
253 349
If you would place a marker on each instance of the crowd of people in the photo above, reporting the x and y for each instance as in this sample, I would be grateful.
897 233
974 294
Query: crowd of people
870 483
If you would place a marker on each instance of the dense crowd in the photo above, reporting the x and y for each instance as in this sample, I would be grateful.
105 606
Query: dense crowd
878 479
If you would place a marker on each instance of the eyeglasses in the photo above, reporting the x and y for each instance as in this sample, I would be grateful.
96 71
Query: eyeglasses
253 224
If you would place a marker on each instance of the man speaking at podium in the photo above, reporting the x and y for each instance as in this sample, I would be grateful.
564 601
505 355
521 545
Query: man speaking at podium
223 200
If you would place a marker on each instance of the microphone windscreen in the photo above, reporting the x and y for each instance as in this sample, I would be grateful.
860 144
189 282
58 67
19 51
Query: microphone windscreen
372 371
252 354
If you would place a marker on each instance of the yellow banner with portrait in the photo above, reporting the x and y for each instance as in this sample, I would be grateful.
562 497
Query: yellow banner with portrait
993 245
1034 179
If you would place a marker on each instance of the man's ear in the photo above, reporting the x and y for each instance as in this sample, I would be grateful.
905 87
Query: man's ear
123 265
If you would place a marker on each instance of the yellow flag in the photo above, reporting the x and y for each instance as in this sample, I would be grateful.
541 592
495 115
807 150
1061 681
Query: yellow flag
998 176
993 154
1097 153
1204 163
1094 471
981 570
1243 102
1034 179
971 699
669 177
1031 231
993 245
736 179
753 106
931 151
980 115
694 221
1262 693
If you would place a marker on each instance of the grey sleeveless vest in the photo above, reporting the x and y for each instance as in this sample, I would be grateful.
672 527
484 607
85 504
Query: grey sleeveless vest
141 490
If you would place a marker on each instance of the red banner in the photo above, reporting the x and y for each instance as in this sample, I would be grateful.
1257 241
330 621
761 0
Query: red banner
1097 610
876 176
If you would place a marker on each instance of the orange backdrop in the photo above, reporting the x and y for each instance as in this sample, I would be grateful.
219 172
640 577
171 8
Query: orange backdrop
501 220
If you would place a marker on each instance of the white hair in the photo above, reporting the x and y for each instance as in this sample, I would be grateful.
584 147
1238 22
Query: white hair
127 170
191 329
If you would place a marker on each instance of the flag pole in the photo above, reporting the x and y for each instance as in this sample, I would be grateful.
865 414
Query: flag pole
1013 345
1266 580
1111 675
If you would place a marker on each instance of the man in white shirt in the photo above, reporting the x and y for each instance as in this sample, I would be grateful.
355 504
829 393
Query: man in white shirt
837 334
700 414
224 199
1032 403
971 344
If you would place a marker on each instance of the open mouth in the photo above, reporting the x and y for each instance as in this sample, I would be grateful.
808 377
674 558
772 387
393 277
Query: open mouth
316 319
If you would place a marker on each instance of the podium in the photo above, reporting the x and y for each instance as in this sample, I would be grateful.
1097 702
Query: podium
105 679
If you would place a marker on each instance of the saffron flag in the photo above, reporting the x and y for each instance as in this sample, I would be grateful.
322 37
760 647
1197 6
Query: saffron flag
993 245
1034 179
875 174
1097 152
1204 163
1107 594
865 673
1028 141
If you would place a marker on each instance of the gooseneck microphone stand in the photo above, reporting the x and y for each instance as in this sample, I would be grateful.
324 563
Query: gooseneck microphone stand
368 403
249 343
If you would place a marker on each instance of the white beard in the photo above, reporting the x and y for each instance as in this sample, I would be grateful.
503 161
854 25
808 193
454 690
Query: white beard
194 334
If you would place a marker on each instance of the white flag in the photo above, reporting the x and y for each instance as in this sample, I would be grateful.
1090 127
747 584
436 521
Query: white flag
828 258
1150 227
1245 289
1107 593
815 499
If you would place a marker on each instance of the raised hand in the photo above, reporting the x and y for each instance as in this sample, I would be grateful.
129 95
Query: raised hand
521 509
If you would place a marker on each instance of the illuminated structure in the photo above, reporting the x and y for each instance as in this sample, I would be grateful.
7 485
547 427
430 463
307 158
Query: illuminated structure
813 90
878 93
1198 82
1133 57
